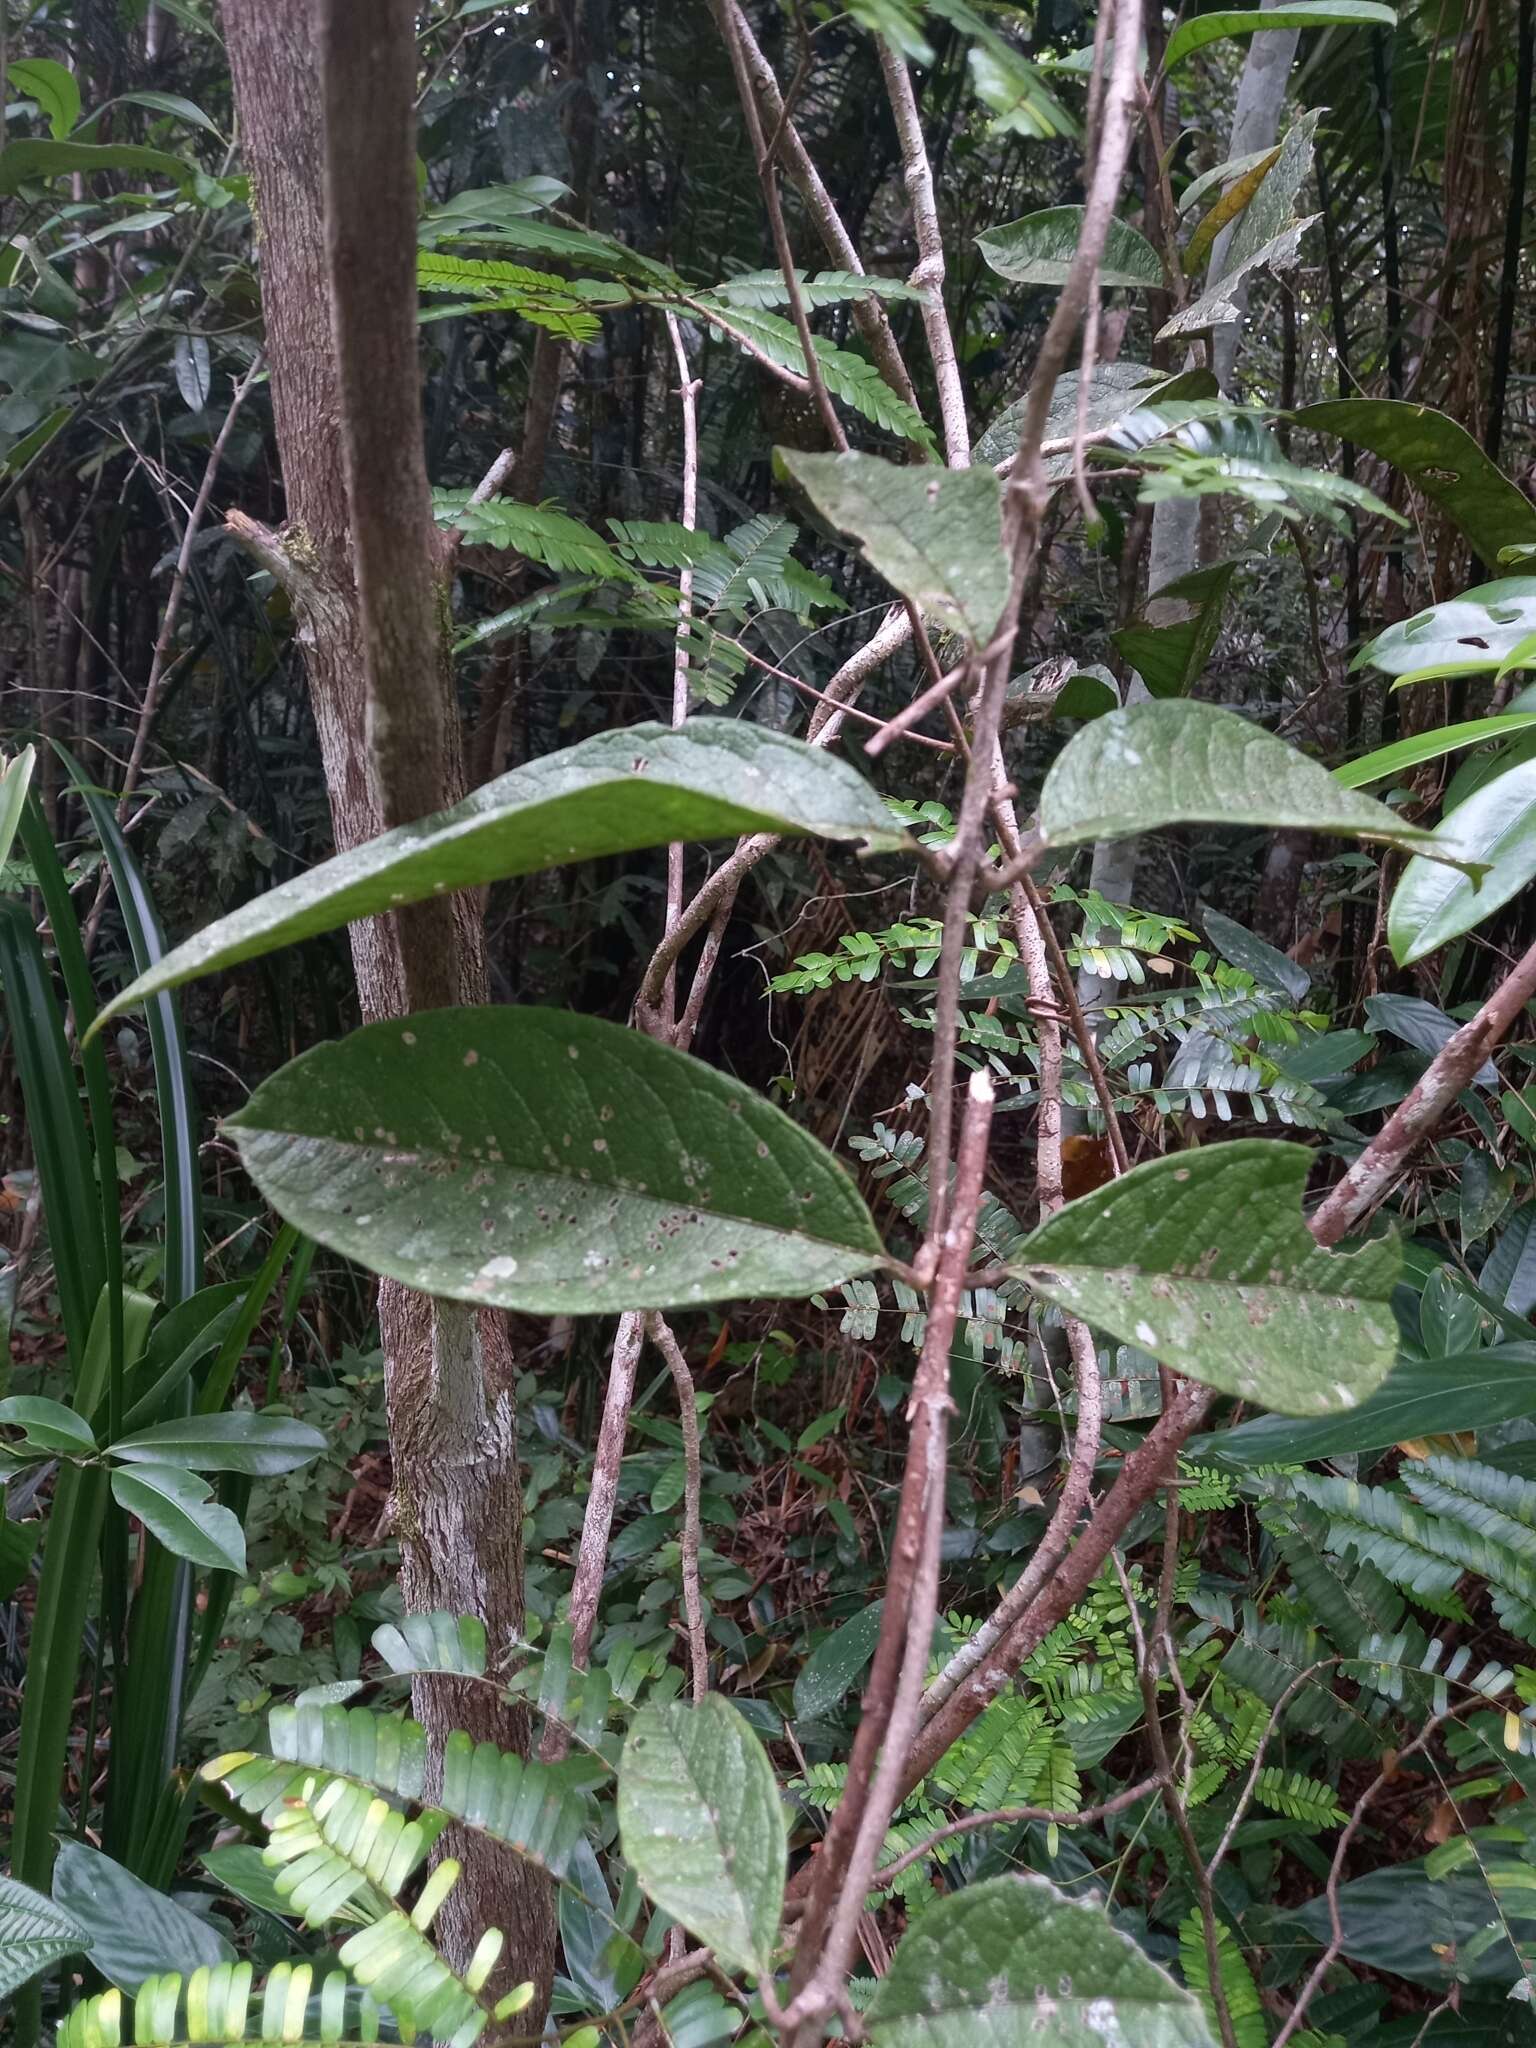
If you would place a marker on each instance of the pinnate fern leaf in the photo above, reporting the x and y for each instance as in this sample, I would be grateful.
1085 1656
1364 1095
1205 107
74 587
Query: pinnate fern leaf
1245 2008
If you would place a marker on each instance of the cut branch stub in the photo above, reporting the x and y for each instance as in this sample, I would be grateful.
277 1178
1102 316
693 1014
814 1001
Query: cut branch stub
538 1160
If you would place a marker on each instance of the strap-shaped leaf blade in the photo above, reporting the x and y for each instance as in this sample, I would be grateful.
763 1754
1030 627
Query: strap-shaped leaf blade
935 534
702 1827
1201 29
1012 1962
1182 763
559 1164
1202 1259
646 785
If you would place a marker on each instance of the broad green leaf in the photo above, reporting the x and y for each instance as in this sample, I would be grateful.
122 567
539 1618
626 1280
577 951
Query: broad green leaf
135 1931
1509 1271
1467 635
644 785
1255 956
1114 391
1171 657
1439 458
28 160
1419 1397
1202 1259
1013 1963
702 1828
1039 250
1423 1025
1181 763
1428 746
837 1663
235 1441
1434 904
1200 29
177 107
34 1931
1218 305
177 1507
540 1160
48 1427
936 534
52 86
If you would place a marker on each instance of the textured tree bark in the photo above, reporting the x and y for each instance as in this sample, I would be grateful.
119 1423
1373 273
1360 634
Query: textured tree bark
364 569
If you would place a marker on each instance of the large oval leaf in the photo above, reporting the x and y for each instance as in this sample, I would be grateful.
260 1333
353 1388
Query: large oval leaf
1203 1260
548 1162
176 1506
702 1827
1466 635
1433 904
1439 458
1039 250
935 534
646 785
1014 1963
1181 763
235 1441
135 1932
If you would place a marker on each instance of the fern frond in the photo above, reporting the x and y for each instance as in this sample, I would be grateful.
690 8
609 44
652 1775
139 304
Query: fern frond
542 300
1245 2008
849 377
1498 1505
435 1642
1001 1759
542 533
1307 1800
220 2007
766 289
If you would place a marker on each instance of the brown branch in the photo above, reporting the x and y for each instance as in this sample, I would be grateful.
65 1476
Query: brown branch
688 1415
1010 1816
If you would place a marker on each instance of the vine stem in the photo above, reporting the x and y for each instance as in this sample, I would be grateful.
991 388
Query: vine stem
661 1335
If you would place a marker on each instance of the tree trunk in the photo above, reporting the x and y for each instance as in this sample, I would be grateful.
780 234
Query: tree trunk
366 575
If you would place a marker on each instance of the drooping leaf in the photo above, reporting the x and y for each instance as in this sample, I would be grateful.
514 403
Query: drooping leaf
34 1931
1171 656
702 1827
543 533
936 534
837 1663
1433 904
825 288
1039 250
235 1441
1181 762
1215 449
1202 1259
27 160
1014 1963
1439 458
177 1507
193 369
52 86
1114 391
1419 1397
1429 746
135 1932
1509 1272
542 1160
1467 635
48 1427
641 786
1201 29
1234 201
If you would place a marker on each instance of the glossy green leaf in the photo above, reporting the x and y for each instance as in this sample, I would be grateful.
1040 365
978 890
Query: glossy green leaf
1039 250
177 1508
936 534
1467 635
48 1427
1419 1397
135 1931
702 1828
177 106
1433 904
236 1441
1439 458
1171 656
645 785
26 161
1509 1271
1245 949
1428 746
34 1932
837 1663
1201 29
1180 762
1202 1259
539 1160
15 778
52 86
1013 1963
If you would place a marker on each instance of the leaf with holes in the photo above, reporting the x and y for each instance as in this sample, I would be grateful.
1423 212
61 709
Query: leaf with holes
1438 457
702 1828
1181 763
1203 1259
1433 904
644 785
936 534
1465 636
1039 249
1013 1963
540 1160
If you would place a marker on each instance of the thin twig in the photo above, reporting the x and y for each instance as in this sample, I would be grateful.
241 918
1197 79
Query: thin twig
688 391
1009 1816
688 1415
